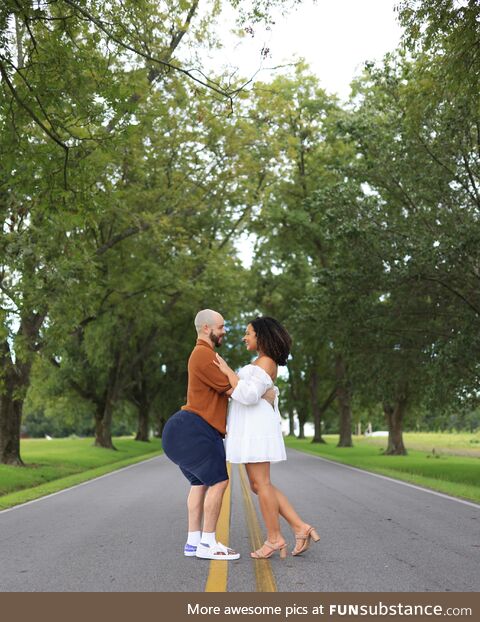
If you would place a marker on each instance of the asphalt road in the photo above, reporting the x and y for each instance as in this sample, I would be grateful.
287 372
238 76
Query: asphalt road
125 532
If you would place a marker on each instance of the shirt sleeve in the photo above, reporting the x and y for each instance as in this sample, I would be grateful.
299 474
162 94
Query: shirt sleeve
249 390
205 370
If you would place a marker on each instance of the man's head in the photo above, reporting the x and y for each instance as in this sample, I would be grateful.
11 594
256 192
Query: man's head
210 327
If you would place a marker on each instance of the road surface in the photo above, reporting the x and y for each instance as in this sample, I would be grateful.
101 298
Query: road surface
125 532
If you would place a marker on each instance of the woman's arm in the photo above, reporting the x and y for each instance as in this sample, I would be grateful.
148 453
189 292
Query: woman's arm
249 392
228 371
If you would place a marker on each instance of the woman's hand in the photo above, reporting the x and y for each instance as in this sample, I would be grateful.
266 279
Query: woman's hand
225 369
270 396
222 365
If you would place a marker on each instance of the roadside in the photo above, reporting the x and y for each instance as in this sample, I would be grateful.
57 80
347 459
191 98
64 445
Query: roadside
54 465
453 444
453 475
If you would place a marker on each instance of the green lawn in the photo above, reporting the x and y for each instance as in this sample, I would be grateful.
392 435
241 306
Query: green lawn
454 443
456 475
454 467
60 463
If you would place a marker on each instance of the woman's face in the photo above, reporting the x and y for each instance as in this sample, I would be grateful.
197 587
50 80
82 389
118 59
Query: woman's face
250 339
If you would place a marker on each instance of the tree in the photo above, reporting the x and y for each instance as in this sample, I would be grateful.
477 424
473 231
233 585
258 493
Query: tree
299 119
60 263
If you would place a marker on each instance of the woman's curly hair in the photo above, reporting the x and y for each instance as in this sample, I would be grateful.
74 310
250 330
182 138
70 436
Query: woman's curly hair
272 338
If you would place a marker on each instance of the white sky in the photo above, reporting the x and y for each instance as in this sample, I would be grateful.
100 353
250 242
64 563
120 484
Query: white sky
335 37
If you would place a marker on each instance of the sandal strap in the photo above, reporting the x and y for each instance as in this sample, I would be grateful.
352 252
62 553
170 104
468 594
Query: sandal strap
273 547
270 545
304 536
220 550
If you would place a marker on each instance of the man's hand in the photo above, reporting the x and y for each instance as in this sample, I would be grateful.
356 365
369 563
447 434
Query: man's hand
269 395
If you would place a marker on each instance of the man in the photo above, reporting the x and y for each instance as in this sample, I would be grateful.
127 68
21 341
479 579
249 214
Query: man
193 439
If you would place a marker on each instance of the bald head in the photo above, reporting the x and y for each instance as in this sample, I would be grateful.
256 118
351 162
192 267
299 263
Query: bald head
206 317
210 326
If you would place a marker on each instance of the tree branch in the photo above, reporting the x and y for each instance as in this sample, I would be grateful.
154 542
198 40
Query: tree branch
168 65
35 118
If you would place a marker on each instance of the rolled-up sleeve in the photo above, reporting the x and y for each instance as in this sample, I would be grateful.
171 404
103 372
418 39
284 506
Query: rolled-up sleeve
202 367
214 378
249 390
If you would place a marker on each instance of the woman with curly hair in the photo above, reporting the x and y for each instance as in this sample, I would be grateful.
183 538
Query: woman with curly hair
254 435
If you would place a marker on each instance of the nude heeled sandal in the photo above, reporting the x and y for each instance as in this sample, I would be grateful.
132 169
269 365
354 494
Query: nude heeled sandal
303 540
282 548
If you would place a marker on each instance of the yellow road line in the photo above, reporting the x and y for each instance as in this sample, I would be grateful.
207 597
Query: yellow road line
263 570
218 570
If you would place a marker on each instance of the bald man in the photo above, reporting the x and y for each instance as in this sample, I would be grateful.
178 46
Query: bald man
193 439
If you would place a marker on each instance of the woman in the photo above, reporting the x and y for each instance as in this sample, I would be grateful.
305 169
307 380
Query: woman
254 435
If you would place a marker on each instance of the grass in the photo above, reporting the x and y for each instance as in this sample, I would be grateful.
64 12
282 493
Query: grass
60 463
456 475
453 443
453 468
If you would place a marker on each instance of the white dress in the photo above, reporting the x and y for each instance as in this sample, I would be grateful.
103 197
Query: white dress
254 432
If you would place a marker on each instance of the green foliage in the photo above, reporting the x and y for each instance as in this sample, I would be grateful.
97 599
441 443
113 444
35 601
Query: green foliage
124 188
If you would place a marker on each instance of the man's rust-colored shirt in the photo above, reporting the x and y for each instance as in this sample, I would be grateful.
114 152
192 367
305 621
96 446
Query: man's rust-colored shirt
206 387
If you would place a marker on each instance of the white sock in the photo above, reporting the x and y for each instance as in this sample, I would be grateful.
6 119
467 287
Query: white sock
194 537
209 538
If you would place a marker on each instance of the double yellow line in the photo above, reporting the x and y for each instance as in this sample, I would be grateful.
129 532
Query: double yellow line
218 572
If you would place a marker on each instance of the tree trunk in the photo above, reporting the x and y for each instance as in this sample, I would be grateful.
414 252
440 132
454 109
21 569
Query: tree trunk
141 399
394 416
10 420
103 426
291 424
161 424
13 387
301 427
104 413
298 407
317 412
143 423
344 403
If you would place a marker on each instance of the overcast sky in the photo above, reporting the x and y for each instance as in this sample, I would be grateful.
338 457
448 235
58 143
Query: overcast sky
335 36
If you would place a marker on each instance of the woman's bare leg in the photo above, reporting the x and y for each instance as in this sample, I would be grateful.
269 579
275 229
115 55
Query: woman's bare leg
285 508
259 472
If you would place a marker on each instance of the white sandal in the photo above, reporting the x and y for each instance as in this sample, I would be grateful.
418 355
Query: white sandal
219 551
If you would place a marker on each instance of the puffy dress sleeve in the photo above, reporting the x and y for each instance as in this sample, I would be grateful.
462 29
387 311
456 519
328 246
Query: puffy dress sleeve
250 389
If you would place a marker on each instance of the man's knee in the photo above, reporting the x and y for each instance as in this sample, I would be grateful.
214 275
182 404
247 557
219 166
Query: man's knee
223 485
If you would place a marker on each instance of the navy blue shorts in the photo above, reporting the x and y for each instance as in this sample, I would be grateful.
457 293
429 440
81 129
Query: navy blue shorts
196 447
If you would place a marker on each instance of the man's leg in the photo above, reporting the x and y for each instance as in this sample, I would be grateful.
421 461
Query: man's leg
213 505
209 548
195 501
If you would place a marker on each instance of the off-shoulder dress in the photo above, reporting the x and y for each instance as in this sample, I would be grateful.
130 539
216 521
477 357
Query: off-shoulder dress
254 432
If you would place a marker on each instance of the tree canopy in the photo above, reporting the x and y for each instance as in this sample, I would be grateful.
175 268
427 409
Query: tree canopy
129 175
